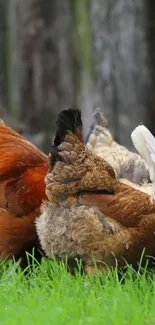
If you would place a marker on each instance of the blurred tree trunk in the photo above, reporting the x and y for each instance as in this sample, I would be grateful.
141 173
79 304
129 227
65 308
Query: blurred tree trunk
121 61
83 61
13 66
80 53
2 56
150 29
59 82
44 60
31 48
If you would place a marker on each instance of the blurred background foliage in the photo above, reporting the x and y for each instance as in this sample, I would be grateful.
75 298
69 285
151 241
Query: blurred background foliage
85 54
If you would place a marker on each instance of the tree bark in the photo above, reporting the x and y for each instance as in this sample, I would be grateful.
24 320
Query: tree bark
150 30
59 82
121 63
30 36
3 25
82 54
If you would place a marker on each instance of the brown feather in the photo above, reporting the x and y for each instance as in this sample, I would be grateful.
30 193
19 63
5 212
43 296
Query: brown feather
127 205
16 234
90 213
22 188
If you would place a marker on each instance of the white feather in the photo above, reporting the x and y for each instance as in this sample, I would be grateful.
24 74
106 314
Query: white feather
144 142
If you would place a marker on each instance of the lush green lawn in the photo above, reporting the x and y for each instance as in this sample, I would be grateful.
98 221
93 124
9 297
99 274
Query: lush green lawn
52 296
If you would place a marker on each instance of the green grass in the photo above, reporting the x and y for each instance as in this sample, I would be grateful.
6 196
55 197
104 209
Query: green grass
50 295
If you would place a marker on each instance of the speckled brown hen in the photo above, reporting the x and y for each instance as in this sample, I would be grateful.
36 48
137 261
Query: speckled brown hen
89 213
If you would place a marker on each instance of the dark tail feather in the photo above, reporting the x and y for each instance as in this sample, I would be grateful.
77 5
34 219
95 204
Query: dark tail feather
68 121
98 119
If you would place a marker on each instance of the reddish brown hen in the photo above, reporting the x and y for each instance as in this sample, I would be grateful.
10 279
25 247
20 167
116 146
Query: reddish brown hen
91 214
22 171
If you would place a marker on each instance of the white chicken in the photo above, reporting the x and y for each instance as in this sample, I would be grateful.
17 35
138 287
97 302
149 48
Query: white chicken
144 142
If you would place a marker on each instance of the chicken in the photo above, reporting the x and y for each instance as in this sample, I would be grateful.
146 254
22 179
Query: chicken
144 142
22 171
89 213
126 164
146 187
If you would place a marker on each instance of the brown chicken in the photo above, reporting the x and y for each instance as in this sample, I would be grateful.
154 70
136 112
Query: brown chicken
22 171
89 213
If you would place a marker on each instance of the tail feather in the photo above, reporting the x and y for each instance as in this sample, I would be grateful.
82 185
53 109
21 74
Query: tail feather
68 121
144 142
98 120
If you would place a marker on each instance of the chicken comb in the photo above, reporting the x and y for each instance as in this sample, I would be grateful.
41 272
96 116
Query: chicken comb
68 120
